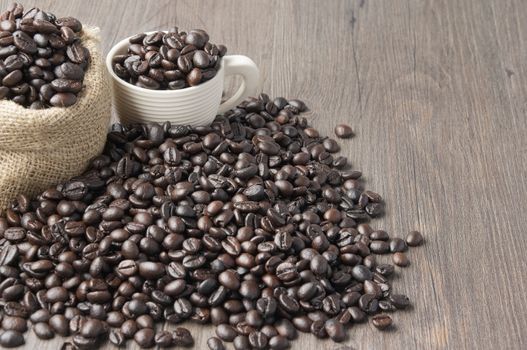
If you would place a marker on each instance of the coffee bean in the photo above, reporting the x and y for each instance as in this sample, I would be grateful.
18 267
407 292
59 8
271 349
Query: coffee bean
258 340
226 332
43 330
241 342
117 338
229 279
24 42
151 270
335 330
77 53
361 273
127 268
343 131
182 337
145 338
382 321
194 77
197 37
285 328
129 328
215 344
163 339
8 253
15 234
400 259
56 294
92 328
201 59
400 301
63 99
368 303
11 339
14 323
414 239
398 245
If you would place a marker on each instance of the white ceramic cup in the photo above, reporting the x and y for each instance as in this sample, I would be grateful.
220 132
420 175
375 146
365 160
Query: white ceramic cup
196 105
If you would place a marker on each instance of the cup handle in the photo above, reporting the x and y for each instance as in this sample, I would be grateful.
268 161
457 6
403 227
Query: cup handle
244 66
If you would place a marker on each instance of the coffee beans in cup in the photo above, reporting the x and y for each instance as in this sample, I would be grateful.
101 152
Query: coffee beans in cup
169 60
42 60
253 224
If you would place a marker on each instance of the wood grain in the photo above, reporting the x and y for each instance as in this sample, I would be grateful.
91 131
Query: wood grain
436 92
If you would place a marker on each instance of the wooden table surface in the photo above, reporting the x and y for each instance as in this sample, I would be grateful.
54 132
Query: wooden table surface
436 91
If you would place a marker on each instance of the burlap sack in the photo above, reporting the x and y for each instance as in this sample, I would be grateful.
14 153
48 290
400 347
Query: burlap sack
39 148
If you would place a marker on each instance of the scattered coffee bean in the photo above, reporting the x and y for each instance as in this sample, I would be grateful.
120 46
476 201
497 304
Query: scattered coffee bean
414 239
145 337
164 339
215 344
117 338
382 321
335 330
400 259
43 330
243 224
343 131
182 337
11 339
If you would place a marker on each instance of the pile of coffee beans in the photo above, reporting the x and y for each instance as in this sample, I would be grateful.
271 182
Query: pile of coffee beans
253 224
169 60
42 60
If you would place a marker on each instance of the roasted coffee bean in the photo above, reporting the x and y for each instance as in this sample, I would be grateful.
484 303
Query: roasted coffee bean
258 340
151 270
63 99
368 303
226 332
241 342
400 301
381 321
215 344
398 245
92 328
59 324
335 330
43 330
15 234
414 239
285 328
163 339
400 259
182 337
145 338
129 328
14 323
343 131
361 273
117 338
8 253
229 279
11 339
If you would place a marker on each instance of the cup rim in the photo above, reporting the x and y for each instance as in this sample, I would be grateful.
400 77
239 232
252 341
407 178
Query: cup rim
124 83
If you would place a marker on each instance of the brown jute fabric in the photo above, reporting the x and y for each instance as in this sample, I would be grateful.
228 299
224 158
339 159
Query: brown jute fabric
39 148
